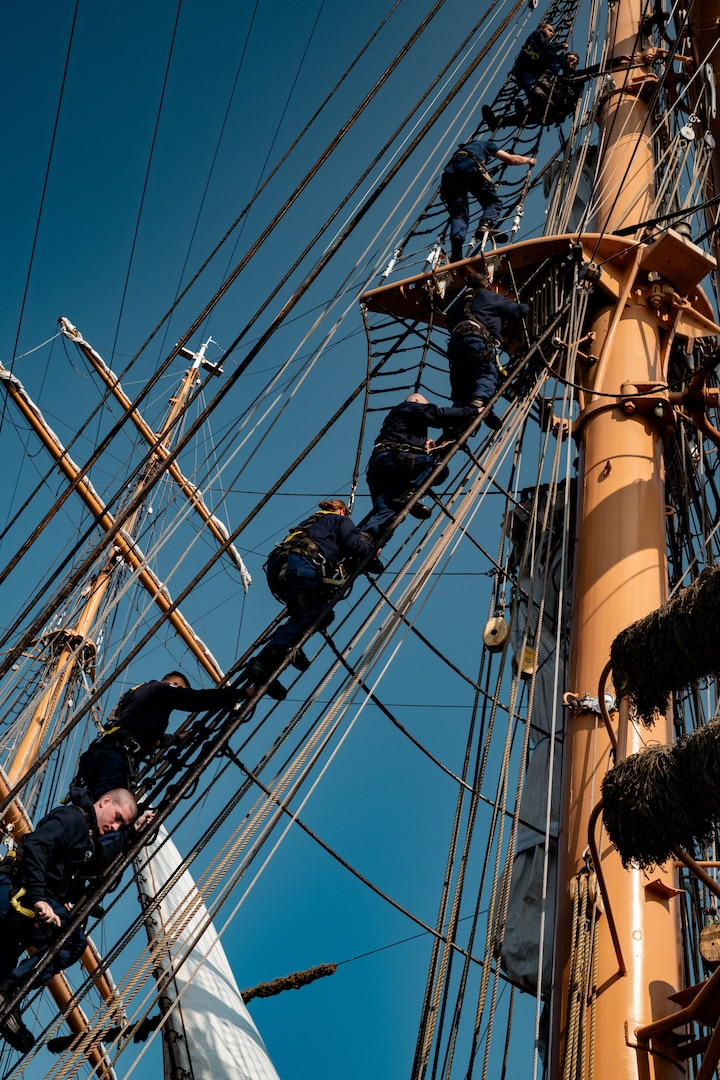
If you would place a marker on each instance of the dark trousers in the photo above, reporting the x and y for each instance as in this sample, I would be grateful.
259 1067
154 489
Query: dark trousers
473 369
460 179
391 473
298 585
105 766
19 932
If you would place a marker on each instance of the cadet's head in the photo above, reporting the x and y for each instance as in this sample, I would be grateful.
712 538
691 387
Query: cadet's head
418 398
176 678
335 506
477 280
571 60
547 28
115 810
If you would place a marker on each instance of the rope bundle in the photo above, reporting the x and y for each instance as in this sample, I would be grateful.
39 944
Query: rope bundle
664 797
669 648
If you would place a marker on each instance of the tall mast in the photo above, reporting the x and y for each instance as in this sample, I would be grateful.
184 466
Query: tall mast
620 575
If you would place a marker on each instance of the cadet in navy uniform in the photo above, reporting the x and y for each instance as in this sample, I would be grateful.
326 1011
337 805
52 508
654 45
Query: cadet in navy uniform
51 867
552 99
475 321
540 55
303 573
138 728
465 174
401 460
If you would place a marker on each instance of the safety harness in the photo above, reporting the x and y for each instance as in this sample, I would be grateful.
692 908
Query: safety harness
404 457
527 58
485 176
471 326
114 735
300 542
12 865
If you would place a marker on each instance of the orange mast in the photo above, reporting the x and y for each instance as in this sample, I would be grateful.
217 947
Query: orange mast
617 945
620 574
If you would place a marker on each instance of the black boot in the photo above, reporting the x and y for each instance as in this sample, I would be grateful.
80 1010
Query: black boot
259 669
420 510
300 660
489 117
492 420
456 249
521 111
487 228
12 1028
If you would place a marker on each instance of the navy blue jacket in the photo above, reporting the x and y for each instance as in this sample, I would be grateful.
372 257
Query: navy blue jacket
483 149
144 712
489 307
64 852
408 422
336 536
538 51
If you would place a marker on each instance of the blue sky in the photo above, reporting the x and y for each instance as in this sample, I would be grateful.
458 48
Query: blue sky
129 154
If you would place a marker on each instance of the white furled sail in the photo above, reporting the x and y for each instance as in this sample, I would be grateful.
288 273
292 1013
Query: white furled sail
209 1032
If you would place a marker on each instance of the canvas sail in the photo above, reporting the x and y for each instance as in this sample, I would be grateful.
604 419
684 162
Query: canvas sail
213 1034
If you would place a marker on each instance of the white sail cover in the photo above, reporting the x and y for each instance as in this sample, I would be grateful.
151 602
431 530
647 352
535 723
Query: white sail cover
221 1036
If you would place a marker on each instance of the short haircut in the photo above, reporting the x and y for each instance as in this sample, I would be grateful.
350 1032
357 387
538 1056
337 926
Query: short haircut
120 796
176 675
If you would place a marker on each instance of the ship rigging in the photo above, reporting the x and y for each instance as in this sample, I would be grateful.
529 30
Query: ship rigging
399 814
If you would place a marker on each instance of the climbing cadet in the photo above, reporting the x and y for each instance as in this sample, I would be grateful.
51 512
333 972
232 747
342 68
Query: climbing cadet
137 728
552 98
55 865
465 174
555 94
401 459
304 572
540 55
475 320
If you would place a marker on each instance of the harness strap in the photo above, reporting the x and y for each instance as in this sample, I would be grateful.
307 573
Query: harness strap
475 328
118 736
15 899
110 723
299 542
484 174
393 444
